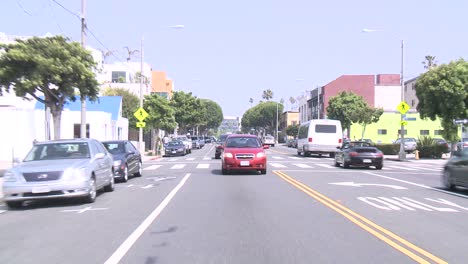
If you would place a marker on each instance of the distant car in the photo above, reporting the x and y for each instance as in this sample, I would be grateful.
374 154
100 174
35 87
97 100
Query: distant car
219 145
368 140
410 144
444 143
175 148
60 169
244 152
269 140
196 143
463 144
360 154
187 141
127 159
456 170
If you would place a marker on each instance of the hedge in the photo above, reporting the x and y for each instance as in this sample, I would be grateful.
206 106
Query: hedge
389 149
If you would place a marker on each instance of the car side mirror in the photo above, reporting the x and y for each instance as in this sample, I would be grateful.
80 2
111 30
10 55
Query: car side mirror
99 156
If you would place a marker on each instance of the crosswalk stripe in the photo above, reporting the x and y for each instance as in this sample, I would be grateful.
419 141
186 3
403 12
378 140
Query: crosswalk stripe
276 157
177 166
325 165
175 159
277 165
429 169
206 158
190 159
403 168
203 166
304 166
296 158
152 167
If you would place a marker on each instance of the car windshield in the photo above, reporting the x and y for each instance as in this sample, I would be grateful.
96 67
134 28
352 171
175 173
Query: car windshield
269 138
176 144
358 144
242 142
57 151
114 147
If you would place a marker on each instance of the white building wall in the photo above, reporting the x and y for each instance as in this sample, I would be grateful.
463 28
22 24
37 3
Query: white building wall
387 97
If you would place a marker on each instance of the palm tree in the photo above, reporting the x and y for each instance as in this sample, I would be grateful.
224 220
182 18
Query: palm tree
429 62
267 94
130 52
292 100
251 100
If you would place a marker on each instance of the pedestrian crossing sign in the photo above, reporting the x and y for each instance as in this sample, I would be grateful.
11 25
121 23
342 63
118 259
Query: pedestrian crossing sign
403 107
140 124
140 114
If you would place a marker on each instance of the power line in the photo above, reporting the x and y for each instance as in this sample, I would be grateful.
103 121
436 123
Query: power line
66 9
21 6
53 14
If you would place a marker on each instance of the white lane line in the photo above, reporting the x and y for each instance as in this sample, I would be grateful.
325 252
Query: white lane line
325 166
117 256
304 166
276 157
277 165
206 158
152 167
429 169
403 168
178 166
385 168
296 158
203 166
173 159
190 159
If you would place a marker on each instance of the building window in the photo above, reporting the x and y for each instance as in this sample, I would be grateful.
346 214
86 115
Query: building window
382 131
437 132
399 132
119 77
412 102
424 132
77 131
413 86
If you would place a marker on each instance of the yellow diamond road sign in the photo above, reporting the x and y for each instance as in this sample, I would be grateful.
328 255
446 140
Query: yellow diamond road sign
403 107
404 123
140 124
141 114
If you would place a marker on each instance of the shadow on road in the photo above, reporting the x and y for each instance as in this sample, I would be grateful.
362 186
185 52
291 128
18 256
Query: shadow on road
236 173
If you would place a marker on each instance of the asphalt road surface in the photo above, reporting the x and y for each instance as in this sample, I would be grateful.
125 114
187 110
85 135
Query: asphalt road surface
304 210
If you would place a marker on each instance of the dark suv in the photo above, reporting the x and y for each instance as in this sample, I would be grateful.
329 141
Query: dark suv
219 145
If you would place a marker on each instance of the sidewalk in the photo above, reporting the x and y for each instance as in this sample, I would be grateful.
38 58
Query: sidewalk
411 158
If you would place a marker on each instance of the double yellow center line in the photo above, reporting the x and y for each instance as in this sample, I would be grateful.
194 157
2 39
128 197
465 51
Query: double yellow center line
383 234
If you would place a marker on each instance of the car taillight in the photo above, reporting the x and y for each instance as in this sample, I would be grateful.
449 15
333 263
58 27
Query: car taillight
310 139
353 154
340 140
380 154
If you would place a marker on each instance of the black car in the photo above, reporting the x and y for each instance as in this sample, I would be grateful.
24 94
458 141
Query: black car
456 170
219 145
175 148
360 154
127 159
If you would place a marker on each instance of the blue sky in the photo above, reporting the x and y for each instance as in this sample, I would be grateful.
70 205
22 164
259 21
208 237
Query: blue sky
230 51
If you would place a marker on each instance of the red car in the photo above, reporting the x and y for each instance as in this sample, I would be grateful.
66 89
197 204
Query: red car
243 152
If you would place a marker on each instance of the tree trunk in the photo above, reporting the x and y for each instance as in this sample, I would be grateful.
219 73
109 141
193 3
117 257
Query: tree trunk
156 141
363 130
57 117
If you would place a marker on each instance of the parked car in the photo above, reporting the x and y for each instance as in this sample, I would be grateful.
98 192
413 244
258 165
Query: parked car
187 141
175 148
456 170
220 145
410 144
360 154
127 159
60 169
444 143
269 140
368 140
244 152
463 144
196 143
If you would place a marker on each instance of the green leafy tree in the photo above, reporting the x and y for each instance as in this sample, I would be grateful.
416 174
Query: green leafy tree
429 62
267 94
443 93
160 116
213 115
251 100
51 70
138 76
292 130
261 117
130 103
369 115
293 101
188 110
346 107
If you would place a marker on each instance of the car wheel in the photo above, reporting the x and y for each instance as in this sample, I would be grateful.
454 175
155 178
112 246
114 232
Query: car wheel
139 173
110 186
299 153
125 174
91 197
14 204
332 155
263 171
379 167
217 156
224 171
337 164
345 164
446 180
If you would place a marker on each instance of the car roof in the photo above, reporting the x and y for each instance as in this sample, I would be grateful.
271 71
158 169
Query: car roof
72 140
242 135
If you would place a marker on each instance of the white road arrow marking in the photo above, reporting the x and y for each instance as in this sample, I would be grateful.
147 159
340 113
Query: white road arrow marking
147 186
353 184
80 211
203 166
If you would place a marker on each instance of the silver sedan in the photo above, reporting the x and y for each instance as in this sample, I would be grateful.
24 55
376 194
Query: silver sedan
60 169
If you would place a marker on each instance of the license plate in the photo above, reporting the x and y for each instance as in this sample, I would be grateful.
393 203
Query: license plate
244 163
40 189
367 161
173 151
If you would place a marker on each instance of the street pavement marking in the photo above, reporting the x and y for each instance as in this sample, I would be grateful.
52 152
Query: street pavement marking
117 256
80 211
173 159
206 158
178 166
277 165
376 230
276 157
403 168
203 166
190 159
325 166
296 158
429 169
304 166
152 167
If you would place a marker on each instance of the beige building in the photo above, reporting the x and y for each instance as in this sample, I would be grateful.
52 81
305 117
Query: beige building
161 84
410 93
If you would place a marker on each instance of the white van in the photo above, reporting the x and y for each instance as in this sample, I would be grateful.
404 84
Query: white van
319 136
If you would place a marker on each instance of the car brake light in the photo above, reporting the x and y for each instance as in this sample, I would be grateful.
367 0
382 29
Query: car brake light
380 154
310 139
340 140
353 154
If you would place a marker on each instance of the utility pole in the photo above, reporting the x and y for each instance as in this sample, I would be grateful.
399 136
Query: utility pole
318 102
83 44
140 136
402 154
277 123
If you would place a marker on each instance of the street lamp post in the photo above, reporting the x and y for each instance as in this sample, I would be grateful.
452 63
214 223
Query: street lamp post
140 134
277 123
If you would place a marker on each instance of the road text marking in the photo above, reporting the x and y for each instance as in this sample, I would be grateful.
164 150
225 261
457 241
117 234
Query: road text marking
152 167
203 166
353 184
80 211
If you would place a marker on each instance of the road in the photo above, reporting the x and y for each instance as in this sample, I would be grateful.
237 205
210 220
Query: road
304 210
